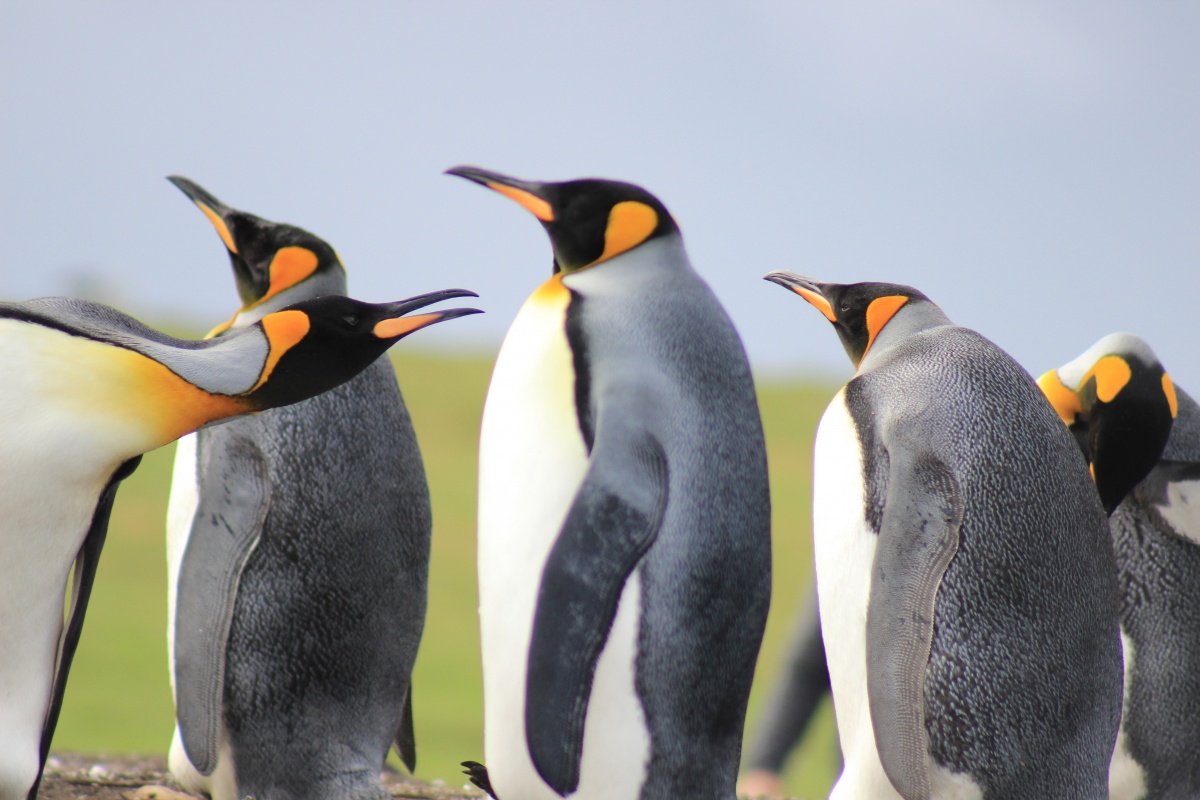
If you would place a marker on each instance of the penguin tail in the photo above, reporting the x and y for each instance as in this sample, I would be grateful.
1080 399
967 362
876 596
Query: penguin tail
479 776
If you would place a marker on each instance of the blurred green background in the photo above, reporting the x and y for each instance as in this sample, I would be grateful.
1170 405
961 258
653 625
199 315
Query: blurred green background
119 697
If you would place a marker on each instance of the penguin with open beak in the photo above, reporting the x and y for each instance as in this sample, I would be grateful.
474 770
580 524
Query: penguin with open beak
624 515
966 579
87 391
343 513
1140 434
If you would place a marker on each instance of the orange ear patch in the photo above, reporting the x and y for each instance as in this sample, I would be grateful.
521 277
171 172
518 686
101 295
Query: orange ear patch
290 266
1111 373
817 300
1169 390
219 224
284 329
1065 402
402 326
879 314
629 224
529 201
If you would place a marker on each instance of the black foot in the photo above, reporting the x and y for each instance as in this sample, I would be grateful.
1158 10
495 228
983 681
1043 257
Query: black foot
479 776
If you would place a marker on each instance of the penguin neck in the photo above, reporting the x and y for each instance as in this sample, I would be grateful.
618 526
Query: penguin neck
659 259
327 282
913 318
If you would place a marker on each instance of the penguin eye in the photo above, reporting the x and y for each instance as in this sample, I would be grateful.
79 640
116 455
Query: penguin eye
351 320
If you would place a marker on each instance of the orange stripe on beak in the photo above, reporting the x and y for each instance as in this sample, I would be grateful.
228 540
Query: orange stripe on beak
529 201
402 326
219 224
817 300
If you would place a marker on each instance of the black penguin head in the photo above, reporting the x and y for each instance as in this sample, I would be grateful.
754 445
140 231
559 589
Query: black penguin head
318 344
267 257
858 311
589 221
1120 404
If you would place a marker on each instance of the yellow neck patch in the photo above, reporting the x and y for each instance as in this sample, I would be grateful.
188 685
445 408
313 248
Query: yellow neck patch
879 314
529 201
1065 402
629 224
1111 374
1169 390
219 224
284 329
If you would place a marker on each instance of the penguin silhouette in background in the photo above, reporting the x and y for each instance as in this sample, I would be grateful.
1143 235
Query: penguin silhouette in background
318 602
967 582
87 390
1141 435
800 685
624 515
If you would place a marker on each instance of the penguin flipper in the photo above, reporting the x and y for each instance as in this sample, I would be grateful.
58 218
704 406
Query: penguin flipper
234 495
406 739
81 592
918 537
612 522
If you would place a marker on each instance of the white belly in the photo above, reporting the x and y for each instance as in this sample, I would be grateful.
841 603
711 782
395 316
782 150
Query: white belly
1182 509
181 510
532 462
844 551
1126 778
54 463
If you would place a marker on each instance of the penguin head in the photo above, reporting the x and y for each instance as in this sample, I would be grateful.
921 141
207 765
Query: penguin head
858 311
1120 403
268 258
589 221
317 344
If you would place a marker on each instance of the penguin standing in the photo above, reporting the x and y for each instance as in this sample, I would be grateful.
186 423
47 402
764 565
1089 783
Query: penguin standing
322 594
967 583
86 391
1141 435
624 515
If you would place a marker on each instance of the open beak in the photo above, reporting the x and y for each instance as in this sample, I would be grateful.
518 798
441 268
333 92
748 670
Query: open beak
395 325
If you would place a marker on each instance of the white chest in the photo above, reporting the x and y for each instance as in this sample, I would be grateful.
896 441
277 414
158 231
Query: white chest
1182 509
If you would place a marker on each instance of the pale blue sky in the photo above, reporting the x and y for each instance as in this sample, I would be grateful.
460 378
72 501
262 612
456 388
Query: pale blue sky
1033 167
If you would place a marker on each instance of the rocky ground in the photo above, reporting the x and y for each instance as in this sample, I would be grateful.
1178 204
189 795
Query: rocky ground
70 776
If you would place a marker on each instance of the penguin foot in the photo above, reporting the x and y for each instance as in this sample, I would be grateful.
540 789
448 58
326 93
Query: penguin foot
479 776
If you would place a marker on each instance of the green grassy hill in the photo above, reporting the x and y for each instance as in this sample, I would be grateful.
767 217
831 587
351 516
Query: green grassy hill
119 697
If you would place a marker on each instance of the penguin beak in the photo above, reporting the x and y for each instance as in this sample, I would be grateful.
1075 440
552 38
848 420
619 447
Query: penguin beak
530 195
216 211
811 290
393 323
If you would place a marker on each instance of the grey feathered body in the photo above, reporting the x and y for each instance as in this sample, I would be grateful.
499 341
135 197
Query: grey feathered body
1023 686
331 603
1158 562
653 337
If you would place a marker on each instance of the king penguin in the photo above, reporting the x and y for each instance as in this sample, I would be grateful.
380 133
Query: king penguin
624 515
966 580
322 596
86 391
1141 435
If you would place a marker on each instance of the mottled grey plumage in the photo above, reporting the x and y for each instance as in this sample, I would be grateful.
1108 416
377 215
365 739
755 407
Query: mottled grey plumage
302 591
986 516
669 384
1159 572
